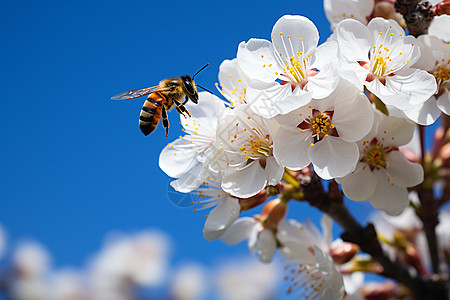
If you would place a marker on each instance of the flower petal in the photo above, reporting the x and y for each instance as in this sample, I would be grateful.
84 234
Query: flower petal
388 197
274 171
292 34
403 172
424 113
354 40
269 100
266 246
254 58
353 113
238 231
233 81
177 158
443 102
220 218
360 184
393 131
244 182
334 284
290 148
333 157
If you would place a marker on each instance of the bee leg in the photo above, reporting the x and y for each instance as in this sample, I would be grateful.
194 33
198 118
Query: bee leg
180 107
186 99
165 120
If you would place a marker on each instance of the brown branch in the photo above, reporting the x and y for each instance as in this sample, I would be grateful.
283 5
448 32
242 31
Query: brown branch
418 15
366 238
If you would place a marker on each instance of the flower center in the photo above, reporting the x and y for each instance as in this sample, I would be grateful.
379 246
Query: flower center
296 69
442 72
257 148
375 157
379 65
320 125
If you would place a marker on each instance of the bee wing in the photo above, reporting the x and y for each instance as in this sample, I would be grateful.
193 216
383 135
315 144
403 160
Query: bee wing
181 199
139 93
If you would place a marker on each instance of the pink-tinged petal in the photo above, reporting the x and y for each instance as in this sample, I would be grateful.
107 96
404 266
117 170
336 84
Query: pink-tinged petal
292 34
324 83
269 100
354 40
240 230
177 160
403 172
266 246
254 58
425 113
353 113
274 171
334 284
443 102
333 157
416 84
360 184
290 148
388 197
394 132
220 218
244 182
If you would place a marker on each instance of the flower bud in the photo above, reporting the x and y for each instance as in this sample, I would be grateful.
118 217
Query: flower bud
344 252
378 291
273 213
248 203
442 8
386 10
412 257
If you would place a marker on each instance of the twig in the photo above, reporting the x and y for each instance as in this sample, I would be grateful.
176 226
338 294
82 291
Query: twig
418 15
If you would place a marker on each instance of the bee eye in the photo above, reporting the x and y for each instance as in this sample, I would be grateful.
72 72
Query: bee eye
189 87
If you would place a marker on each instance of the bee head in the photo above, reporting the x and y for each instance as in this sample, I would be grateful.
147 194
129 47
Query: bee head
189 88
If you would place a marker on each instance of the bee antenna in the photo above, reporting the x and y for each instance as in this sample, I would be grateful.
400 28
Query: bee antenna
204 89
200 70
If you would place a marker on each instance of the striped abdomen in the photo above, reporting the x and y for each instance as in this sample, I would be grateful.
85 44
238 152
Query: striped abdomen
151 113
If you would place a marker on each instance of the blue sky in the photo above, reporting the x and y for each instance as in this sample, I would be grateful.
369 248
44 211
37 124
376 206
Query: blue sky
74 164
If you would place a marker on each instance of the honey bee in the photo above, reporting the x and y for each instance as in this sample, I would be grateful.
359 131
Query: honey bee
163 97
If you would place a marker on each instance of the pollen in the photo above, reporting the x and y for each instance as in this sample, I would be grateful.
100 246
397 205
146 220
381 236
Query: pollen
216 84
375 156
262 55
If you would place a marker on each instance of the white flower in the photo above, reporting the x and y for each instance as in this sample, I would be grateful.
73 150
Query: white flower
436 60
67 285
233 82
383 173
325 133
245 142
311 270
31 260
380 57
287 72
260 240
189 282
188 157
246 280
140 260
338 10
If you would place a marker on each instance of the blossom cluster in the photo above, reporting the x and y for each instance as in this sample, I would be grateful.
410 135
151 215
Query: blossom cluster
129 267
344 109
